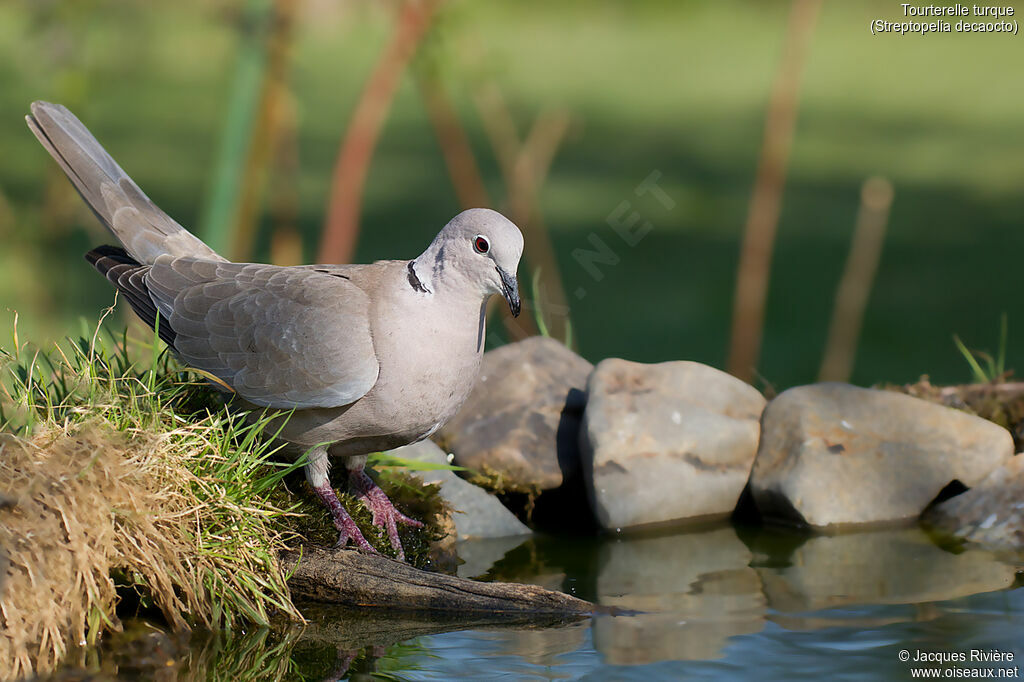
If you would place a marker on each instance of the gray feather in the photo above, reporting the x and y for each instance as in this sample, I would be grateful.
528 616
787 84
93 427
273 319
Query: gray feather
145 231
281 337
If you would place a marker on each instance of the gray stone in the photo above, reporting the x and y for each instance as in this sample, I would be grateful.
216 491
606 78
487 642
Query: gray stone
991 513
477 513
521 421
666 442
834 454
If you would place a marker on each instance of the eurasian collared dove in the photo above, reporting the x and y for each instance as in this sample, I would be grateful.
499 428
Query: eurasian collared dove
369 357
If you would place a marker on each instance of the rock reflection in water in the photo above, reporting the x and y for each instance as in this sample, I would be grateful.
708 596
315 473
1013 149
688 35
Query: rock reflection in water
695 590
479 555
539 647
900 566
705 594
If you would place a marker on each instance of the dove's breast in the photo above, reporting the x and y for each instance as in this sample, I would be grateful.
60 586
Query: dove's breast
429 349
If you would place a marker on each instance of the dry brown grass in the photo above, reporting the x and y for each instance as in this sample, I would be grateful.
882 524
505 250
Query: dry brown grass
124 475
93 503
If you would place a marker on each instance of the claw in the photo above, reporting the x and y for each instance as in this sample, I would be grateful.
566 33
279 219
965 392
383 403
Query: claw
347 528
384 513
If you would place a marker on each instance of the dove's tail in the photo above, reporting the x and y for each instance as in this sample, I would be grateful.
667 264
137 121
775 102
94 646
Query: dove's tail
129 277
145 231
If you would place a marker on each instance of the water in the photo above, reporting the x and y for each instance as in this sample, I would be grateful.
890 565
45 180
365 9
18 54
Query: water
719 603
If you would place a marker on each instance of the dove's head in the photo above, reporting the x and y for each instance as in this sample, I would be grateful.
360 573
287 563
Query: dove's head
480 246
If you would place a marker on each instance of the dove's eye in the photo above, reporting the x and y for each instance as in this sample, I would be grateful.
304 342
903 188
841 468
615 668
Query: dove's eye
481 245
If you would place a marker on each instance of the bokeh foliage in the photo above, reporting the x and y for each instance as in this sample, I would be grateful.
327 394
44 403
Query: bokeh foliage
675 87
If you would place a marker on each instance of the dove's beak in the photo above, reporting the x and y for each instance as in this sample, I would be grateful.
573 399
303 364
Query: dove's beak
510 288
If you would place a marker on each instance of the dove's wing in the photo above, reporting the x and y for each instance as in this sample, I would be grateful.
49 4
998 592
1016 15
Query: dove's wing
279 336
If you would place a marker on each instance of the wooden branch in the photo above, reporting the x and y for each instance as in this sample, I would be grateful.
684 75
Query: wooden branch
855 285
356 579
338 242
286 243
271 118
465 175
524 168
755 263
454 142
498 124
1009 388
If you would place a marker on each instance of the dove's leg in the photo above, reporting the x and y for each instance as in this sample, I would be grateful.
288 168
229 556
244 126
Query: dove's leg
384 513
316 473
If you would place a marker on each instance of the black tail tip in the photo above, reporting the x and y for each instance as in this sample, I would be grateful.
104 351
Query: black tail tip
115 253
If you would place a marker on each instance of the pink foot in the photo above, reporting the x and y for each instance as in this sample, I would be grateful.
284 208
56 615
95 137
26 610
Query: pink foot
342 663
384 513
347 528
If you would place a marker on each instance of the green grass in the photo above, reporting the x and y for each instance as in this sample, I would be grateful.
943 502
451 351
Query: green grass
138 390
245 503
994 368
675 87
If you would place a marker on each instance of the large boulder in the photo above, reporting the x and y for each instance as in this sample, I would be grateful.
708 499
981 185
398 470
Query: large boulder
519 427
476 513
834 454
991 513
666 442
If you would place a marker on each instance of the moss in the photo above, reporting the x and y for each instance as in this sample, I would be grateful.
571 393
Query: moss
312 524
422 502
495 482
520 498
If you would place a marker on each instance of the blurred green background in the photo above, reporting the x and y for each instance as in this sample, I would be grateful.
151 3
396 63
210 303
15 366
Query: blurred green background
675 87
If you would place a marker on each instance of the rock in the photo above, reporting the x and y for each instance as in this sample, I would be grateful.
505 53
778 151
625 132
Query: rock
991 513
477 514
521 420
836 454
666 442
